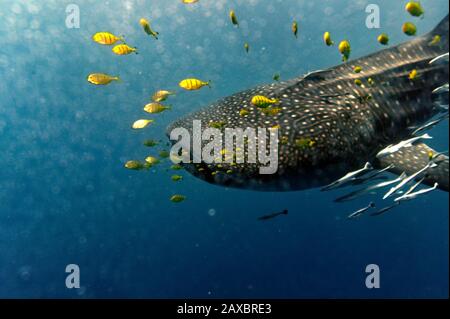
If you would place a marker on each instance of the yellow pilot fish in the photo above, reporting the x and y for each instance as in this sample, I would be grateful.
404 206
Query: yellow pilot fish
412 75
123 49
327 39
193 84
101 79
233 18
294 28
262 101
146 25
344 49
155 107
106 38
161 95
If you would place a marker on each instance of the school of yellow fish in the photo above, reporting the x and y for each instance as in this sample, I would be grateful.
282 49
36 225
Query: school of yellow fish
264 104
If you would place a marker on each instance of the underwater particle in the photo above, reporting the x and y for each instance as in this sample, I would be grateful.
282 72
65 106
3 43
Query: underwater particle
217 124
243 112
152 160
383 39
150 143
161 95
262 101
24 273
370 81
414 8
146 25
211 212
233 18
140 124
357 69
101 78
189 1
193 84
409 28
294 28
327 39
177 198
134 165
345 49
164 154
358 82
304 143
276 77
412 75
124 49
176 178
106 38
176 167
155 108
246 47
436 40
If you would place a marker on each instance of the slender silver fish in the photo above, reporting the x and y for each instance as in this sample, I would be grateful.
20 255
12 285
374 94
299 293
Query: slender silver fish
355 194
411 196
406 143
347 177
361 211
408 179
430 125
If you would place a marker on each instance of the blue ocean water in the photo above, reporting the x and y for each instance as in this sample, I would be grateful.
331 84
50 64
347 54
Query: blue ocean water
65 197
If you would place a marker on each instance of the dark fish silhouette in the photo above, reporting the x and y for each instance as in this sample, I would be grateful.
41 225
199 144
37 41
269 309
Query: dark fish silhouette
270 216
385 209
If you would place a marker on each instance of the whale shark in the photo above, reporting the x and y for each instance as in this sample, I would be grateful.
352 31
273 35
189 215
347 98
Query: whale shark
348 123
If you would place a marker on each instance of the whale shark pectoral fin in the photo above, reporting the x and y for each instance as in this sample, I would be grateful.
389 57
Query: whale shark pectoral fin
412 159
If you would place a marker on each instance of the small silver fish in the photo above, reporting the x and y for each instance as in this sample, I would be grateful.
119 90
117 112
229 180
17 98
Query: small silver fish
367 167
430 125
408 179
442 89
363 191
441 58
411 196
406 143
361 211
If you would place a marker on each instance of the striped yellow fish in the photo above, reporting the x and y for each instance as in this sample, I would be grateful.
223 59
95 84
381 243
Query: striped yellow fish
193 84
262 101
101 79
123 49
106 38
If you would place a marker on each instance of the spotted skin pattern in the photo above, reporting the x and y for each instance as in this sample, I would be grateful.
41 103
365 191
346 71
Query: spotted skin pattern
348 124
